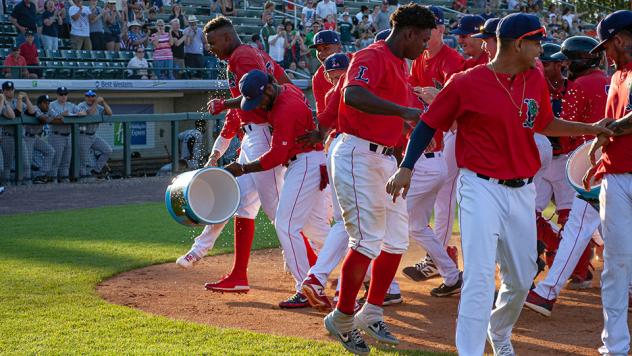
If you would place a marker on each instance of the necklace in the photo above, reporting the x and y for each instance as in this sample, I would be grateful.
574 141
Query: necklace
524 86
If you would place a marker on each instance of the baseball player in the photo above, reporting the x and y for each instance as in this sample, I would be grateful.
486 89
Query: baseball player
259 189
429 73
6 112
488 35
60 137
325 43
615 198
18 104
34 142
88 140
302 200
191 142
496 197
376 98
472 46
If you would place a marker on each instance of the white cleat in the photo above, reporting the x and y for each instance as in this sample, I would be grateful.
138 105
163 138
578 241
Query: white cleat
187 261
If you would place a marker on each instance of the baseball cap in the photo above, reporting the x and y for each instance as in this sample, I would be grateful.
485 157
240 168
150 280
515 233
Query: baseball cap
438 13
91 93
468 25
336 61
43 98
192 18
610 26
382 35
252 85
325 37
62 90
8 85
488 29
345 14
549 51
28 33
520 26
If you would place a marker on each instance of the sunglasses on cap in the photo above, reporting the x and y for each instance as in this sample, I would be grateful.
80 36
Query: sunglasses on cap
541 30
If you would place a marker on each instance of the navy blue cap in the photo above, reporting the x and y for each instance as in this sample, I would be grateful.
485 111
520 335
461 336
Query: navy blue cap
520 25
488 29
90 93
548 52
382 35
438 13
610 26
8 85
325 37
252 85
558 57
468 25
62 90
336 61
43 98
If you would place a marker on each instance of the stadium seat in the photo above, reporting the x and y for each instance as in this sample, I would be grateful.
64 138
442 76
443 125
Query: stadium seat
54 54
125 56
99 56
51 69
114 70
99 69
84 71
68 70
4 52
68 54
84 55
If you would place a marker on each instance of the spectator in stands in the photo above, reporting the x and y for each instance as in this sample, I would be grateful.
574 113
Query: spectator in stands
346 28
255 42
301 68
461 5
139 16
312 61
51 20
364 40
297 47
97 34
157 5
28 50
214 8
291 71
278 43
177 47
89 142
15 66
488 14
194 45
149 26
112 26
163 56
382 20
80 26
138 68
330 23
228 7
135 10
308 14
364 11
365 26
326 8
24 18
340 3
268 12
176 13
266 31
135 37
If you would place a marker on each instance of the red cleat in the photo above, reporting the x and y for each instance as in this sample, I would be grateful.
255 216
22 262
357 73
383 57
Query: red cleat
228 284
315 294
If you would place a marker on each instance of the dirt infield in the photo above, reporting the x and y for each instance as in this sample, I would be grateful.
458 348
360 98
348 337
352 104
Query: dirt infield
422 322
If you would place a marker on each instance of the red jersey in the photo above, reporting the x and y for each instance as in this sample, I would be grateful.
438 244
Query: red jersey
585 101
378 70
290 118
492 139
617 155
231 125
320 87
244 59
272 67
435 71
473 62
329 116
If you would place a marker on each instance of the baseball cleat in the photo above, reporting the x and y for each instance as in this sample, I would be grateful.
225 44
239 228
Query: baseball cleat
1 189
378 330
445 291
389 299
421 271
228 284
352 341
187 261
315 294
577 283
501 348
539 304
298 300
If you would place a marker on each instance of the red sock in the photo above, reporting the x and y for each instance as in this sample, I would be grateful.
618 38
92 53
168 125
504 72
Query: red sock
351 277
244 234
382 274
582 268
562 217
311 255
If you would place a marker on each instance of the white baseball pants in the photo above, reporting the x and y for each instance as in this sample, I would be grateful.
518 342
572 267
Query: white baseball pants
497 224
373 222
259 189
63 152
616 218
429 176
96 143
445 203
48 152
582 223
7 142
553 184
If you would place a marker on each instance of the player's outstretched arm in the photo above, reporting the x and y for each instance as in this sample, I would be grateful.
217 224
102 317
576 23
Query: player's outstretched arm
558 127
621 127
363 100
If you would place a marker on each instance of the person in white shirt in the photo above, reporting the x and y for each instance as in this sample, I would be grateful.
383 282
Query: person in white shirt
325 8
80 26
278 43
364 10
308 14
138 66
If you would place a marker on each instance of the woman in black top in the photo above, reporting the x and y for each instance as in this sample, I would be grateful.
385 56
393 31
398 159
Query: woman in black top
51 20
176 13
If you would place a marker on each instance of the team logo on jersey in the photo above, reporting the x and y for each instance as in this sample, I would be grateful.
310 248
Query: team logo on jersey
362 70
232 83
437 84
532 112
269 68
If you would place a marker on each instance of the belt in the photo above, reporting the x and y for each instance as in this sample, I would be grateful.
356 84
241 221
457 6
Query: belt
387 151
87 133
61 133
432 154
292 159
512 183
560 154
249 128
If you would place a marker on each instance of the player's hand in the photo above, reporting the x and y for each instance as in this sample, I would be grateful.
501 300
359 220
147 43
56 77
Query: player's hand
21 95
588 179
411 114
597 143
600 128
400 180
427 94
235 169
212 159
309 139
215 106
100 100
65 113
431 146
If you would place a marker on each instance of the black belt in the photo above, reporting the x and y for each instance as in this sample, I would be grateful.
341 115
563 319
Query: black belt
87 133
248 127
61 133
512 183
430 155
387 151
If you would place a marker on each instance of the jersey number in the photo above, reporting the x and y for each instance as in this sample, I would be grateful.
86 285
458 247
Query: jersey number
360 75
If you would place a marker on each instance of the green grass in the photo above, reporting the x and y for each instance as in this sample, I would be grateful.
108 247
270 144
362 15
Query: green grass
51 262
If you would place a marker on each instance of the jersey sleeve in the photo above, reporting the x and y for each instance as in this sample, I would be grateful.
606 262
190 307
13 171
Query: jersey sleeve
545 116
328 118
446 106
244 64
451 66
365 70
231 125
283 136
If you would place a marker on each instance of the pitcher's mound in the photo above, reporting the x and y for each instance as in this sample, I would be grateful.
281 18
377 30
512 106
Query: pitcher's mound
422 322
